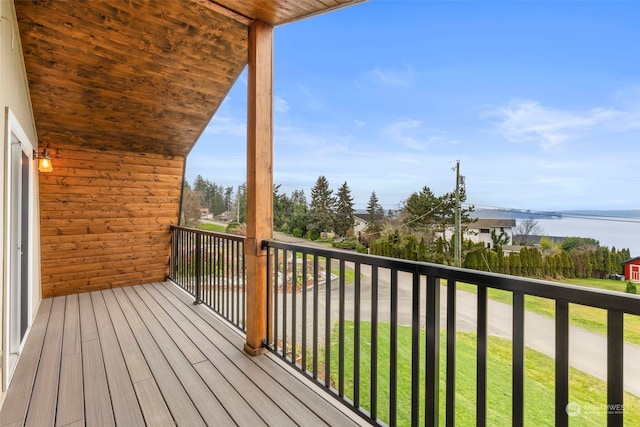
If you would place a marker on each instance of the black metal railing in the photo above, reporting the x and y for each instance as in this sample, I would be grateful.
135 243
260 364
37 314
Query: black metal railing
336 317
211 267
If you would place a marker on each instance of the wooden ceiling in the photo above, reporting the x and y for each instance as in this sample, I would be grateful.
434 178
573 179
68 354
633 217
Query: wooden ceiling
139 75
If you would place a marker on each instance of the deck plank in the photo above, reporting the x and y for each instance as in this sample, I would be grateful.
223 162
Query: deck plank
205 401
152 404
178 401
98 409
133 357
89 329
42 406
126 410
70 392
14 409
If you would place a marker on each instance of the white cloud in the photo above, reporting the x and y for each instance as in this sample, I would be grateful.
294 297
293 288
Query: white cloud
358 124
227 125
393 78
412 134
529 121
280 105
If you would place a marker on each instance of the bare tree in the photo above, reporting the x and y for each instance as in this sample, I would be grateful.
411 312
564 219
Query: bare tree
526 230
190 208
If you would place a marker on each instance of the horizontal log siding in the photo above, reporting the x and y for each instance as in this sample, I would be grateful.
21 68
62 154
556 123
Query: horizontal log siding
105 218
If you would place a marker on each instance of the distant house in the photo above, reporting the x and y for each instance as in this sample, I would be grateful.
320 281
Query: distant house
480 230
361 221
632 269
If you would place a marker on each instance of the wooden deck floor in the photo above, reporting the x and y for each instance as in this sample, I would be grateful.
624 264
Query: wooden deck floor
146 355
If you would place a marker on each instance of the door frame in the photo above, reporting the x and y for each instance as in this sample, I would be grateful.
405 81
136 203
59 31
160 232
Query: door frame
14 133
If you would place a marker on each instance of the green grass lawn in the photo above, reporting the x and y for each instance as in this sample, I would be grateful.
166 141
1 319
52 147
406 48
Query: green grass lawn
213 227
587 391
592 319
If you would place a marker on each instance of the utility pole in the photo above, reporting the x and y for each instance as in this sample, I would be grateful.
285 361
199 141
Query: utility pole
457 243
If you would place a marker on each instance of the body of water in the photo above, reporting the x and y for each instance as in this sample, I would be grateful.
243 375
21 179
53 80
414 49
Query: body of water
618 232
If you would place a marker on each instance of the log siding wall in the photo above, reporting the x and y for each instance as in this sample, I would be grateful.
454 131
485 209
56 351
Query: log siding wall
105 218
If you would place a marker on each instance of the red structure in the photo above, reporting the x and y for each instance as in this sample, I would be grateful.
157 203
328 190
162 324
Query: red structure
632 269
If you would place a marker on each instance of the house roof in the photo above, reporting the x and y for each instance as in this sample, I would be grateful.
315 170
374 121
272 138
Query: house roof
141 75
365 217
631 260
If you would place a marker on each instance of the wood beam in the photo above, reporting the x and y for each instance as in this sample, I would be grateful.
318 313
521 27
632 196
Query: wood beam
259 179
210 4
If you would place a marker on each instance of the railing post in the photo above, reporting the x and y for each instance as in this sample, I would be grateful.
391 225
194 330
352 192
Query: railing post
198 268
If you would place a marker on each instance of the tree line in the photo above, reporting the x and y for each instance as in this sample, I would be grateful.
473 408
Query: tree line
416 231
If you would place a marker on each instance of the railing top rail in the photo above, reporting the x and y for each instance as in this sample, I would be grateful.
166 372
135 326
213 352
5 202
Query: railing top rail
608 300
227 236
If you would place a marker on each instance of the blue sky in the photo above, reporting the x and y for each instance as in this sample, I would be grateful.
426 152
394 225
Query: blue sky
539 100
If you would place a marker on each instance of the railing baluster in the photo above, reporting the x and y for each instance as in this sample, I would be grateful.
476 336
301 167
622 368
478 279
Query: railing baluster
327 324
341 321
285 260
304 312
393 350
432 362
276 307
451 354
356 336
481 359
615 371
415 349
374 343
562 363
294 297
198 268
517 376
315 317
270 286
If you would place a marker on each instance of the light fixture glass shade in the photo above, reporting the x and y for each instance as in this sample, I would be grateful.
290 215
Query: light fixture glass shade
45 165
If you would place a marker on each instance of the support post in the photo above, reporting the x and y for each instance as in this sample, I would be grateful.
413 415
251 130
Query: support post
259 179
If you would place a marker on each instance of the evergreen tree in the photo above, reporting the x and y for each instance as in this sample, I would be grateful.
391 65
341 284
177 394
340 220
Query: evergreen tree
321 207
217 205
282 210
498 240
373 209
344 219
228 194
300 216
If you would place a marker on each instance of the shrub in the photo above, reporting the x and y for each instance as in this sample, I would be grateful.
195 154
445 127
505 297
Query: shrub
313 235
631 288
297 232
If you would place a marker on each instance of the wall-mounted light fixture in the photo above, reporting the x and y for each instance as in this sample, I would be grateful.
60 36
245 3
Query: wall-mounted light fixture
44 161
